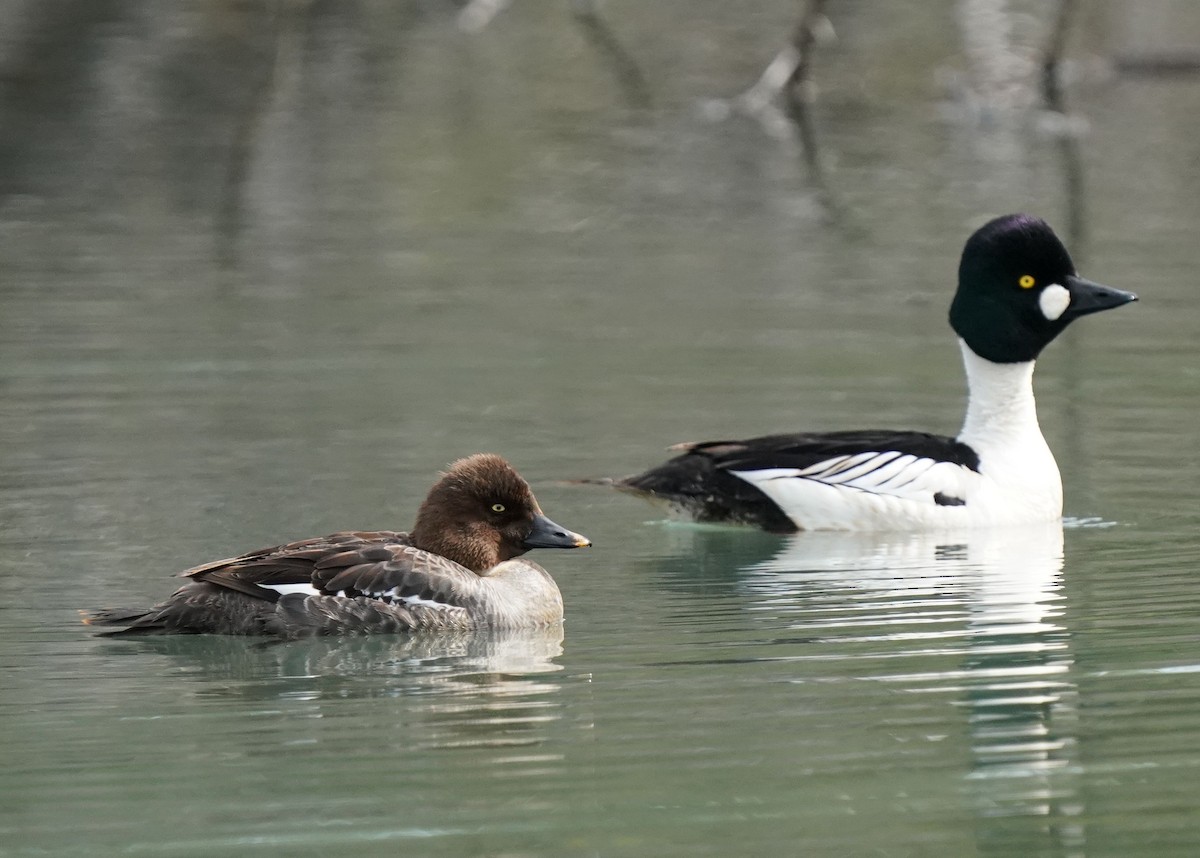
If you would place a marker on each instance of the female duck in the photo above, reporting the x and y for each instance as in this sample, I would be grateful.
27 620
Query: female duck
457 569
1017 290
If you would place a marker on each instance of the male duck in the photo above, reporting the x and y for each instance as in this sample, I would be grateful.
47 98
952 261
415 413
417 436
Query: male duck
457 569
1017 290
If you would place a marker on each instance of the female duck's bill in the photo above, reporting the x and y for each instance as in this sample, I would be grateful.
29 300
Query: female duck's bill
461 567
547 534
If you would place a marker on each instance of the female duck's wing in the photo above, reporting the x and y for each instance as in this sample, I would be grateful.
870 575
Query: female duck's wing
347 583
782 482
268 572
396 572
382 589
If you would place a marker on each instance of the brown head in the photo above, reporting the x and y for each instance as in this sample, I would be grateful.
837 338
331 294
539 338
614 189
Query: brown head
482 512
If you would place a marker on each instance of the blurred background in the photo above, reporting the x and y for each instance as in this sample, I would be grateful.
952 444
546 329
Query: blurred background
265 267
387 234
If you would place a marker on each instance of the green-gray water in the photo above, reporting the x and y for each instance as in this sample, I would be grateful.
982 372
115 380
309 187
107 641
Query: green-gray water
239 307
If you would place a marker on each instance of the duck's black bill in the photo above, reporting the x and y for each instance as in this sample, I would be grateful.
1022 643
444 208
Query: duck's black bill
547 534
1088 297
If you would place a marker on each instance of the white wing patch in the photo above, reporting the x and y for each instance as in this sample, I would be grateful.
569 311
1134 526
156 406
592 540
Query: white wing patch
888 473
417 601
862 470
875 489
392 594
284 589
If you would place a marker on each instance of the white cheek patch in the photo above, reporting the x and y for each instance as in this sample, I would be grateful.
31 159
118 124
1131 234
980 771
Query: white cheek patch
1053 301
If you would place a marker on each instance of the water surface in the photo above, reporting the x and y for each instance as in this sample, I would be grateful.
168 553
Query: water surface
263 276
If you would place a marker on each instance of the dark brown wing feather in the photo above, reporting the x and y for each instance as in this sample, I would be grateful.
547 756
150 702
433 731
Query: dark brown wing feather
295 562
366 582
395 571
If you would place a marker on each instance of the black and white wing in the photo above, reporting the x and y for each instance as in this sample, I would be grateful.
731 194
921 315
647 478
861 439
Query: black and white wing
814 481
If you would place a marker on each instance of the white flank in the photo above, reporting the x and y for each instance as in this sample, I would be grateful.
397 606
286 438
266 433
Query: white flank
868 491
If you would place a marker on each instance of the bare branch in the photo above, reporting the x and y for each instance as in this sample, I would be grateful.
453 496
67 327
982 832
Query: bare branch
790 70
804 37
624 66
477 14
1052 59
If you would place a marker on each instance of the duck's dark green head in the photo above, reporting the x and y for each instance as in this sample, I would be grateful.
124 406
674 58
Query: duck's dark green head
1017 290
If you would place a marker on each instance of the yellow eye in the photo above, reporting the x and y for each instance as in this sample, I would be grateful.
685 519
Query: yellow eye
1026 281
497 507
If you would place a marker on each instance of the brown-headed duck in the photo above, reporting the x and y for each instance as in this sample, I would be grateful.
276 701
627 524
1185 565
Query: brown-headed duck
457 569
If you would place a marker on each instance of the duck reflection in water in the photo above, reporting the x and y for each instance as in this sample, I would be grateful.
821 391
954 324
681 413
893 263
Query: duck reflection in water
482 688
974 613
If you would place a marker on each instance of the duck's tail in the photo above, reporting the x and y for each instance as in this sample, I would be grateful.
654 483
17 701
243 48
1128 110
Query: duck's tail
589 481
135 622
196 608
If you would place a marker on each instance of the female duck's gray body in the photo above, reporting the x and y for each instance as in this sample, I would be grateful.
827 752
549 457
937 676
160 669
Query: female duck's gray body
459 568
1017 290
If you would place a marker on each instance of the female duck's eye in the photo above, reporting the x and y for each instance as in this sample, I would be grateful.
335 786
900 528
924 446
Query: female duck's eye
497 507
1026 281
